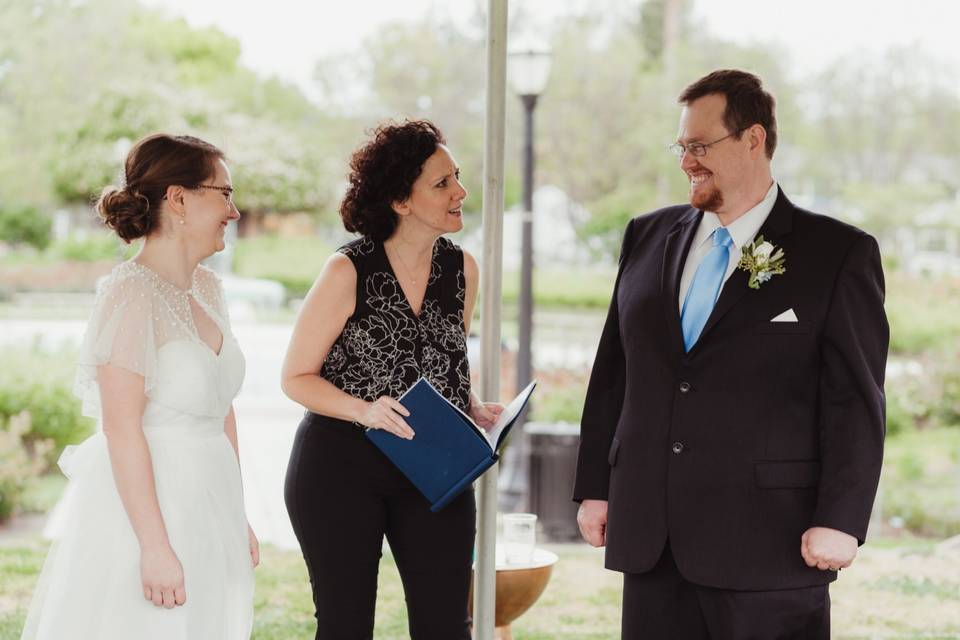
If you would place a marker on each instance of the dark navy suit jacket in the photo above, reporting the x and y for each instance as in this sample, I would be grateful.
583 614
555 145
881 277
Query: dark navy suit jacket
763 430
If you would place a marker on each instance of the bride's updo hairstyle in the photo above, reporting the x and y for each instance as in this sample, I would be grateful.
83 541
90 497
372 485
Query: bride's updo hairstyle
153 164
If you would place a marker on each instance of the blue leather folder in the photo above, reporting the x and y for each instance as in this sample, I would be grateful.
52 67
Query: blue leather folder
448 451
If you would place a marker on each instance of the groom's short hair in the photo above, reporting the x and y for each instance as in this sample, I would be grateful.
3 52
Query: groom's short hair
748 103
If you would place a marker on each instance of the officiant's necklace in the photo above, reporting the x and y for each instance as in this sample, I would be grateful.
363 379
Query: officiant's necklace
403 263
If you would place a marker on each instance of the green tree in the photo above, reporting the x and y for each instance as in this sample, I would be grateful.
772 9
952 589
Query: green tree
430 68
662 24
79 82
90 149
610 111
882 136
24 225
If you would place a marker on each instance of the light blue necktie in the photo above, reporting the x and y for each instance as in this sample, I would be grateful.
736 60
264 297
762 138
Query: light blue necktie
705 288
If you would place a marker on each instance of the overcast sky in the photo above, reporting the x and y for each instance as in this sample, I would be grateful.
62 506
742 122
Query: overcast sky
285 37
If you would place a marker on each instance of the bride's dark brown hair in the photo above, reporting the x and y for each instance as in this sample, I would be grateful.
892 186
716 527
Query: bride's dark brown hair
153 164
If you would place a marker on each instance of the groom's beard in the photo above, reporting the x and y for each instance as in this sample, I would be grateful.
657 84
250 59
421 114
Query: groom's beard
710 201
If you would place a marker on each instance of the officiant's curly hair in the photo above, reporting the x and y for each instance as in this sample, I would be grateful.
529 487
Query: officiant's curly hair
748 103
382 172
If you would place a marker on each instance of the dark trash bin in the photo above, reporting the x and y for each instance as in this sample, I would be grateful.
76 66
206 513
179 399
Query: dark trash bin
553 463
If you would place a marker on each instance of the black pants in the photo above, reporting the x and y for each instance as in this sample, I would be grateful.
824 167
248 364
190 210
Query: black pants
343 496
662 604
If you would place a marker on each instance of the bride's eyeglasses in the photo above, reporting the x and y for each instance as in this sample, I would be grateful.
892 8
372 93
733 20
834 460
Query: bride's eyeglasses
226 191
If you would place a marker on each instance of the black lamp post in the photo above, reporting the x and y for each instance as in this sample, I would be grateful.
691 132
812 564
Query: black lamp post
529 67
529 70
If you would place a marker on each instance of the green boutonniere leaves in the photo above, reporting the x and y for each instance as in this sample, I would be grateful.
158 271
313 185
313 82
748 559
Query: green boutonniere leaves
762 261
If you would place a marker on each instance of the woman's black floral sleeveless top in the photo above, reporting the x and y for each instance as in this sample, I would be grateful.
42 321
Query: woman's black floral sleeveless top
384 348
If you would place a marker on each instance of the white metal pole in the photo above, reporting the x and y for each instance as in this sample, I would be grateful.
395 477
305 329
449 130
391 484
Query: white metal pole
484 593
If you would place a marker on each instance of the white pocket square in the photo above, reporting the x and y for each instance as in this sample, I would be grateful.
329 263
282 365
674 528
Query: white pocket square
786 316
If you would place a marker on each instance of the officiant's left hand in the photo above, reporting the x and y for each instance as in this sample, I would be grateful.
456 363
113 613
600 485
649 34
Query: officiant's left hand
485 414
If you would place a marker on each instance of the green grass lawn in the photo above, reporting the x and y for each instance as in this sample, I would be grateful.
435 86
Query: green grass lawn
920 481
903 587
924 312
897 589
296 261
582 600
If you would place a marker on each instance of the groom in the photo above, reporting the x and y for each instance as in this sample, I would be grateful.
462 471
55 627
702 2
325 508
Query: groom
733 428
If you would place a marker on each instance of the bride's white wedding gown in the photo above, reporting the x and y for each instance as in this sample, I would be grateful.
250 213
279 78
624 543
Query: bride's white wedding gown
90 587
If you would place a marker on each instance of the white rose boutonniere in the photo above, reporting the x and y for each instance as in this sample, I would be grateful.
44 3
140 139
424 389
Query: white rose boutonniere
762 261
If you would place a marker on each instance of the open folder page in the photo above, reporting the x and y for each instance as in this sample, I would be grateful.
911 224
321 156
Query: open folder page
448 451
511 412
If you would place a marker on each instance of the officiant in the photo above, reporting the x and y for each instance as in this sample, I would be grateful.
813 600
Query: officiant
387 308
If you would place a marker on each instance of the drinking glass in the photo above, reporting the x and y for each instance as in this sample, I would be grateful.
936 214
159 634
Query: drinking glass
519 537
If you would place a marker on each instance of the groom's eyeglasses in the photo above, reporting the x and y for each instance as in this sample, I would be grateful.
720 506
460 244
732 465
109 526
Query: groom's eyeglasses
698 149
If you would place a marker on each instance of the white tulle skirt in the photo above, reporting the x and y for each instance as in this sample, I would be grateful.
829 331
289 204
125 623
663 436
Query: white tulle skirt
90 586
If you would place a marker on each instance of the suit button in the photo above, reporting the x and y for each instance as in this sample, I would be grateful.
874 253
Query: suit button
684 387
677 447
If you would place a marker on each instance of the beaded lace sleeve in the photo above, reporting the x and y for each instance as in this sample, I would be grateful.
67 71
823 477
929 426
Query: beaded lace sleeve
209 291
122 332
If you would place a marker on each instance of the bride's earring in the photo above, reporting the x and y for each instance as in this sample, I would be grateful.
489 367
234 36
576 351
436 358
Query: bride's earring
183 219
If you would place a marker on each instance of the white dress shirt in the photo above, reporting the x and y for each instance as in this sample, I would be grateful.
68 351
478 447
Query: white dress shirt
742 230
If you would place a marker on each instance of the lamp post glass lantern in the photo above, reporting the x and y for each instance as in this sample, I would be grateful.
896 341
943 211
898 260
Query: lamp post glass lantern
529 68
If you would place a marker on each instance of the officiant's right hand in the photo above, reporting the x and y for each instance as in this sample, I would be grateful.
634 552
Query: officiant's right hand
162 576
387 414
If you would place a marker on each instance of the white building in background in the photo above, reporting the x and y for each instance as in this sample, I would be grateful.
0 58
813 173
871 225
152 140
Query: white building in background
932 244
555 242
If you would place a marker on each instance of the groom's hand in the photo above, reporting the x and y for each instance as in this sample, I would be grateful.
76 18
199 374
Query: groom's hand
827 549
592 520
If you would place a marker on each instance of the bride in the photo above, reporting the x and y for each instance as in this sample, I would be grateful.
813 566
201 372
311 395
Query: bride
155 541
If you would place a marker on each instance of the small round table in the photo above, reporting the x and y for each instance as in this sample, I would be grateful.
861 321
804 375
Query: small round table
518 588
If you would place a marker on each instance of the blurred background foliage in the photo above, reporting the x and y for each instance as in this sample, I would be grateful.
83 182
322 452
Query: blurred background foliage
874 140
877 140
